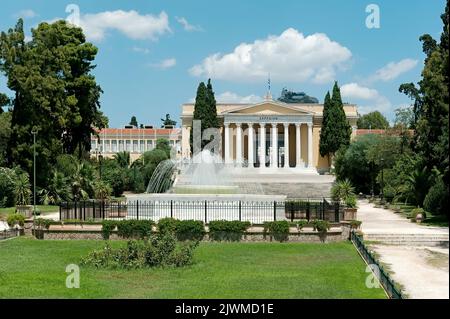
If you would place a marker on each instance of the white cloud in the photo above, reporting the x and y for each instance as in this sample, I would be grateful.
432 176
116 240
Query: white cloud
165 64
26 14
230 97
290 56
130 23
141 50
375 101
187 26
393 69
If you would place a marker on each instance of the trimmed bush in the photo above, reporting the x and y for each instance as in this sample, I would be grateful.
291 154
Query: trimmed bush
278 229
15 219
167 225
322 226
134 228
355 224
43 223
223 230
107 228
190 230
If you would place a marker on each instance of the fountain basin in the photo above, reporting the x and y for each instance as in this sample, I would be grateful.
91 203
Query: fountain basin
205 189
207 207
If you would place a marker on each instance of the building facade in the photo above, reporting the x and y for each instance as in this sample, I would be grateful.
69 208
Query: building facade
269 134
134 140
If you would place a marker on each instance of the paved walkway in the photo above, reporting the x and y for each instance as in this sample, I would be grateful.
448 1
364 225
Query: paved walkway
422 271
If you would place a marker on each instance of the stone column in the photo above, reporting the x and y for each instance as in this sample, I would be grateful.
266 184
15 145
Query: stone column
251 156
227 143
262 145
298 146
239 144
274 159
286 145
310 148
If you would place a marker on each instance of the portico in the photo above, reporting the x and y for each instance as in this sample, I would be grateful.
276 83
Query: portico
268 136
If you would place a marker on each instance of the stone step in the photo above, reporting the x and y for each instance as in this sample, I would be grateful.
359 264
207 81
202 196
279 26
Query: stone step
411 239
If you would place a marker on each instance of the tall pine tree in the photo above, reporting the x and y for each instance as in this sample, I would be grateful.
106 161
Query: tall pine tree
336 131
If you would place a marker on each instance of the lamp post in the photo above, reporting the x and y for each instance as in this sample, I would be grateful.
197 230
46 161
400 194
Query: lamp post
34 132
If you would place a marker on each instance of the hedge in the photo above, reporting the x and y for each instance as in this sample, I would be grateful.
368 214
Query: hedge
227 230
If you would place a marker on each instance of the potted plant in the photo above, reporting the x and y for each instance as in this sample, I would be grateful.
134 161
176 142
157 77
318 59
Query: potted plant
344 193
41 225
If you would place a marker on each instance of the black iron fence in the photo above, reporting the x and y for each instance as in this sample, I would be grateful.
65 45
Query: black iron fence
5 234
383 277
255 212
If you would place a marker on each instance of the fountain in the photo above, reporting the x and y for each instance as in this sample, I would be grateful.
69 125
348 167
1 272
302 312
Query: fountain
201 189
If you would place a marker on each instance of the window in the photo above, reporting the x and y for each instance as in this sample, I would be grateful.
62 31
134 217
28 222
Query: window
128 146
142 146
121 146
149 145
107 145
114 146
135 146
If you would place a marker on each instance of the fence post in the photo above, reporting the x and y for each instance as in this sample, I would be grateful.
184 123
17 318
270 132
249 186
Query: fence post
75 215
206 209
137 209
171 208
274 211
292 211
308 216
240 210
93 209
336 212
60 211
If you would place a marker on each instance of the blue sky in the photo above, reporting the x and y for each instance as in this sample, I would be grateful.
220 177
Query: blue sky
153 54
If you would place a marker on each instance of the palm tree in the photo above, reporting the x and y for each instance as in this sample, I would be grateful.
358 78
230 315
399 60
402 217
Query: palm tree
417 183
22 189
123 159
102 190
57 189
82 184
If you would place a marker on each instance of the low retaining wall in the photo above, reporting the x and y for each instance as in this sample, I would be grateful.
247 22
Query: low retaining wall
334 235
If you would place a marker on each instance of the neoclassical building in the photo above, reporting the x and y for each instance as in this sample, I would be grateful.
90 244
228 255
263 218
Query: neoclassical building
269 134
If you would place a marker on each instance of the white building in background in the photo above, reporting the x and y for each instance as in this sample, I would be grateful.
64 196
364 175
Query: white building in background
134 140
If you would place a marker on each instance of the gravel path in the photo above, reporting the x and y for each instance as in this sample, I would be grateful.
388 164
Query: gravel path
422 271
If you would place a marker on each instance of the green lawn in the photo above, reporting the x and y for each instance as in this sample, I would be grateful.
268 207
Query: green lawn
36 269
42 208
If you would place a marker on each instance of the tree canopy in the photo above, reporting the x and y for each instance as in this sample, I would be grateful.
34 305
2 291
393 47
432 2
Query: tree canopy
373 120
54 92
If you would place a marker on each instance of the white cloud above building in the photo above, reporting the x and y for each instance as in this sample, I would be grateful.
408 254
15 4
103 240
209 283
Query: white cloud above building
290 56
393 69
372 100
165 64
187 26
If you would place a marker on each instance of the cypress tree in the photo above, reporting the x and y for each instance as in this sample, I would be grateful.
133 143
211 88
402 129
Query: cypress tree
211 114
325 131
200 108
336 131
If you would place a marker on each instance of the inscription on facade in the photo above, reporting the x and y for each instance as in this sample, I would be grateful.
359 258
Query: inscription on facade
268 118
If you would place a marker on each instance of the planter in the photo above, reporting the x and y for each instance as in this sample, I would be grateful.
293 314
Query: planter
419 218
350 213
38 233
25 210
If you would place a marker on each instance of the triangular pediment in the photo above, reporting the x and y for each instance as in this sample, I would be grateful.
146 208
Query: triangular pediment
269 108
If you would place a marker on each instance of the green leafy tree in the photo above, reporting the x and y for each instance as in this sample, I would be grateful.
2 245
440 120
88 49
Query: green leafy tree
163 145
431 106
5 133
4 101
54 90
336 131
123 159
373 120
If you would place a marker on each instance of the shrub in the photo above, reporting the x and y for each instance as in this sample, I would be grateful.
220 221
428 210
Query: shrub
322 226
107 228
350 201
134 228
15 219
7 187
42 223
160 250
227 230
167 225
355 224
278 229
190 230
302 223
415 212
437 199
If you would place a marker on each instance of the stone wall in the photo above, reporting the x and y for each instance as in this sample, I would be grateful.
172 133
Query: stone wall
305 236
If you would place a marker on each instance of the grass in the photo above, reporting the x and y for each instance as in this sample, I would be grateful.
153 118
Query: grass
32 268
44 209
